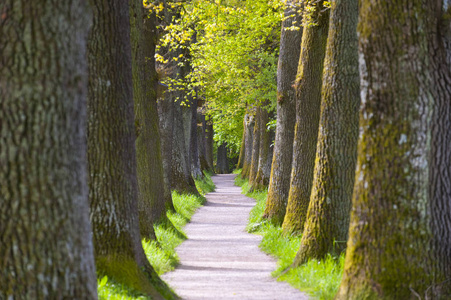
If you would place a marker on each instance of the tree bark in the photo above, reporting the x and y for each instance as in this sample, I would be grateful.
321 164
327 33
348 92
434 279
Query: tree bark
166 124
202 143
242 147
194 147
262 177
222 164
181 178
46 249
326 228
308 101
249 130
209 143
279 183
399 236
113 186
151 185
255 147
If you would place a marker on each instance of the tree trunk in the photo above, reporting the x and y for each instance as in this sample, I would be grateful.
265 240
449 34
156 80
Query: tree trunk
113 184
209 143
326 228
194 147
399 236
202 143
181 178
45 236
222 163
249 130
166 125
255 147
242 147
308 101
262 178
279 183
151 185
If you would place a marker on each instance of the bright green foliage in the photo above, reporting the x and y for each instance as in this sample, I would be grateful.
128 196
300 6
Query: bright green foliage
231 49
320 279
161 253
108 289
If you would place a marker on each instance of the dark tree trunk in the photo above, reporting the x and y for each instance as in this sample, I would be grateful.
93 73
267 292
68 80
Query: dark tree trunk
249 131
308 101
209 144
113 186
194 147
326 228
255 148
222 163
399 236
45 236
279 183
151 193
242 147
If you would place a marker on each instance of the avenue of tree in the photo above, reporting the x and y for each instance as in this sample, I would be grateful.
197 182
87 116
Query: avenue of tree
341 109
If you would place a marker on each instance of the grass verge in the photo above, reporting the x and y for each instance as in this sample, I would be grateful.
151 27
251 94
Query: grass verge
161 253
320 279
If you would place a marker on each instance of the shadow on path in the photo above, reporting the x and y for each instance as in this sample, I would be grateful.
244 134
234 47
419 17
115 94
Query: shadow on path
220 260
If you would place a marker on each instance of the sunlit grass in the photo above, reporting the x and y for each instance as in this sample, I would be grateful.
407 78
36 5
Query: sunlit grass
108 289
320 279
161 253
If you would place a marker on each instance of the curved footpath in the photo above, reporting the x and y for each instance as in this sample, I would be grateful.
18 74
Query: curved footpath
220 260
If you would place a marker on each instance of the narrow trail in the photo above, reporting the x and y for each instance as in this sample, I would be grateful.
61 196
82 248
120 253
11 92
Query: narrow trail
220 260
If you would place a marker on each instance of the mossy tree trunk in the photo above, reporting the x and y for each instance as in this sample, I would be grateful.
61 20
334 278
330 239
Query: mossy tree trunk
113 186
242 147
44 194
255 147
249 131
279 183
151 184
308 101
326 228
222 162
262 177
399 236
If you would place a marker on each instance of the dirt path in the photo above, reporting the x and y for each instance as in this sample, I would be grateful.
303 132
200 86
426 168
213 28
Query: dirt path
220 260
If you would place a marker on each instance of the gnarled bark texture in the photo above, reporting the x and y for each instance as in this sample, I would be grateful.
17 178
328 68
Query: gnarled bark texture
279 183
326 228
113 186
151 185
399 236
308 101
249 130
46 247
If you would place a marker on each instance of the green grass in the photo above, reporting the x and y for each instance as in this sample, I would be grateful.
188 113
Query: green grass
320 279
161 253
